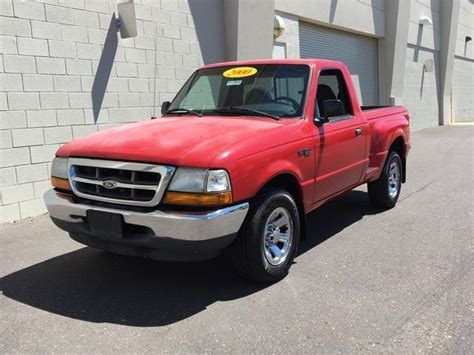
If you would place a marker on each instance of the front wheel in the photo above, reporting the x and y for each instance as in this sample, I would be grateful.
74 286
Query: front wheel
384 192
268 241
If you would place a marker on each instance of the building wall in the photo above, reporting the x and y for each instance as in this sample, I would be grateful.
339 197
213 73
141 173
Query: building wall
290 37
421 90
465 28
362 16
462 100
405 48
365 17
65 73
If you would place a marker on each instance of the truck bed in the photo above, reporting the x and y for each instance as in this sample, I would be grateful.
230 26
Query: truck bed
373 112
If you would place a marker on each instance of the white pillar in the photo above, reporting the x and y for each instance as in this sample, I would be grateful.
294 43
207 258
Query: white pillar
249 28
449 14
397 17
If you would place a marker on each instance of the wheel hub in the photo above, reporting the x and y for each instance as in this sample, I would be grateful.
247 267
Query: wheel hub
278 236
393 179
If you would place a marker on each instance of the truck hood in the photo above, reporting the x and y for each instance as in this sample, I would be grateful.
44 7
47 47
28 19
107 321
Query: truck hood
178 140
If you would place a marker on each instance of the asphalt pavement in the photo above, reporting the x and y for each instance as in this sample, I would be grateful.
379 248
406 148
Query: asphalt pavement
398 281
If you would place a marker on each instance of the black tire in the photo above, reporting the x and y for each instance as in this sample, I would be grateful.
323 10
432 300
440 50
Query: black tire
379 194
248 253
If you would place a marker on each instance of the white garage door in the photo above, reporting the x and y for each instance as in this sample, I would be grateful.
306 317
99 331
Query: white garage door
462 97
358 52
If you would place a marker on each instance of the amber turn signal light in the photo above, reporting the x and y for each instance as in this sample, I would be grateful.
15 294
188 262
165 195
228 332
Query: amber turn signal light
61 184
193 199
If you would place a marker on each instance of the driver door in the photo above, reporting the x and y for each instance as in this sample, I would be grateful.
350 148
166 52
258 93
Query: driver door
340 159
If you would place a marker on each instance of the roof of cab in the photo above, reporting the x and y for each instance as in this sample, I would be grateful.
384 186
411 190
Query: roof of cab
311 61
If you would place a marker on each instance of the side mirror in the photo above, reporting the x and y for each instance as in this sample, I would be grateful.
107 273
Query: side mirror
333 108
165 107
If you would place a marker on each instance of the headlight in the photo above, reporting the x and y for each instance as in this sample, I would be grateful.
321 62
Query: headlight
217 181
59 168
59 176
188 180
199 187
200 181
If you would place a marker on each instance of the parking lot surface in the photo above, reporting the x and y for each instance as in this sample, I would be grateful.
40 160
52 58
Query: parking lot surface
365 280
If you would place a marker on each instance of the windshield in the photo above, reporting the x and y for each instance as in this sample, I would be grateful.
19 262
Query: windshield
274 90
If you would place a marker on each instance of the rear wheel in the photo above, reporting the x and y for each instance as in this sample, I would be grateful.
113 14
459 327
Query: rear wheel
384 192
268 240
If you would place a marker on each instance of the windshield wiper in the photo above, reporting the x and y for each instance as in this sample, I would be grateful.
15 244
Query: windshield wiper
183 111
243 111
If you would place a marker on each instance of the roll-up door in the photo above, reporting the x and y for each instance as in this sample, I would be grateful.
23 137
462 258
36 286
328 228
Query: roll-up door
357 51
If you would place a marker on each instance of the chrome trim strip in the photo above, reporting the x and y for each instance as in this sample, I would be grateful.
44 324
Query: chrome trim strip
165 171
117 184
174 225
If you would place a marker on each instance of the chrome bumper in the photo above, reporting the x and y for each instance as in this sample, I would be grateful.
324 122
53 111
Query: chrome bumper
176 225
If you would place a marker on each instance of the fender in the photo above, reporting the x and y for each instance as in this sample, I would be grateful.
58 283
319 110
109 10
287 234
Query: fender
397 133
380 144
252 173
279 168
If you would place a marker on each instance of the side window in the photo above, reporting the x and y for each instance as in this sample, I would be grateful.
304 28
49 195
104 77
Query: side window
331 86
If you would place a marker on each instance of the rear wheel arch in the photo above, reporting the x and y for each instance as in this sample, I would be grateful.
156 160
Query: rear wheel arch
385 191
398 145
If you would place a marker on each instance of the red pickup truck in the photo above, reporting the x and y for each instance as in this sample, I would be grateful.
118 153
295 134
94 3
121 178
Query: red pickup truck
243 152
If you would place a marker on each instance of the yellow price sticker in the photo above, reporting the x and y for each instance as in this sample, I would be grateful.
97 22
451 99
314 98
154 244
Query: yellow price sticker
240 72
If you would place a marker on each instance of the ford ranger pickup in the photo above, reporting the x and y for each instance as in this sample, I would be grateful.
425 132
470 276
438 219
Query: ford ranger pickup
243 152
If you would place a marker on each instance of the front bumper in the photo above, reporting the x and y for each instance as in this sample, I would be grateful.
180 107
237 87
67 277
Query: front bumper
160 235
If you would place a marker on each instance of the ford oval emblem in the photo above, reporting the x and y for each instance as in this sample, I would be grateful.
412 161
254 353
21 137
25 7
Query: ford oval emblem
109 184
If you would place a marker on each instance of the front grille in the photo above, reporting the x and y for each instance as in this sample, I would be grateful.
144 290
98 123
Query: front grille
120 175
120 193
134 184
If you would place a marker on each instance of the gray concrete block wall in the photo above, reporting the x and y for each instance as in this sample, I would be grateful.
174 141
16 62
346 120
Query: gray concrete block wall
422 89
465 28
50 53
462 95
290 37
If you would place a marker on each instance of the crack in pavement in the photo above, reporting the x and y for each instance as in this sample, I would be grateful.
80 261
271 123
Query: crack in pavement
424 187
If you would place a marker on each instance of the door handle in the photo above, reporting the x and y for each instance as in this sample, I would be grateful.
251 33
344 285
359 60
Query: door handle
358 132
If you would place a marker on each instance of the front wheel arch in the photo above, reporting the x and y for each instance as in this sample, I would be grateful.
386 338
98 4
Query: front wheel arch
289 183
247 251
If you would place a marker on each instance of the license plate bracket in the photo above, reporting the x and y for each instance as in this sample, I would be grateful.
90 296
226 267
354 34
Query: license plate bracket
105 224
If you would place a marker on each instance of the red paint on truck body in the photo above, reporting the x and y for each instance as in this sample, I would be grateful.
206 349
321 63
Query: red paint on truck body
254 150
